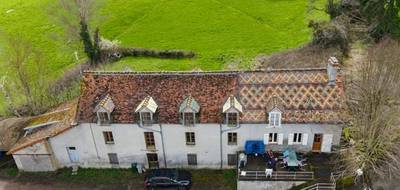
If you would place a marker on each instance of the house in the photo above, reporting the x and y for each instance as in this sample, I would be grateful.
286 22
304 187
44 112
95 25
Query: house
190 119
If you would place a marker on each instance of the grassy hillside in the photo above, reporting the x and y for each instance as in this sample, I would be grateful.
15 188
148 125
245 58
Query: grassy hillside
221 32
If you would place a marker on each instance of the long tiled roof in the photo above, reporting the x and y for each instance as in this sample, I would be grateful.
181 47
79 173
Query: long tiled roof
169 90
303 95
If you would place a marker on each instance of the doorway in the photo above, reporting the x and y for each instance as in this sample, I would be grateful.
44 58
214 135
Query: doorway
152 159
73 154
317 143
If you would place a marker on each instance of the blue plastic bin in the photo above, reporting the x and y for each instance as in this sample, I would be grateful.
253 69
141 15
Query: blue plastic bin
254 147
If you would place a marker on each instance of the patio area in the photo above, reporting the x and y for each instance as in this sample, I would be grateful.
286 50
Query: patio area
257 164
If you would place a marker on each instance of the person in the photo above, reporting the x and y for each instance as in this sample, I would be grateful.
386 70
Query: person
272 163
270 154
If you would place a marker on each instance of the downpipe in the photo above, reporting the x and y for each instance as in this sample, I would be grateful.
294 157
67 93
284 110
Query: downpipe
220 140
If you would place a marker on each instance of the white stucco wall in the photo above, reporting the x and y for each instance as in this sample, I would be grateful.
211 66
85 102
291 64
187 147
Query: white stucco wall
93 152
34 158
130 144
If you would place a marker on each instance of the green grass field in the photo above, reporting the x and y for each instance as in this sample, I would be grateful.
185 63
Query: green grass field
222 33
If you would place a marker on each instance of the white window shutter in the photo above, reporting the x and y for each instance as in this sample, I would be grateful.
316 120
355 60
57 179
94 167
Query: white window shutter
270 119
280 138
290 139
279 119
326 143
266 138
305 138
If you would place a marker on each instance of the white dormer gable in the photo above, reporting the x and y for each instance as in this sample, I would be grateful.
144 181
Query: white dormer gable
188 110
232 105
146 110
104 109
232 108
147 105
275 117
189 104
105 105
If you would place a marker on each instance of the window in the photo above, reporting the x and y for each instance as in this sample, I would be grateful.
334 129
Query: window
232 138
192 159
190 139
232 159
232 120
103 118
149 138
113 158
152 159
275 119
273 138
297 138
108 137
188 119
147 119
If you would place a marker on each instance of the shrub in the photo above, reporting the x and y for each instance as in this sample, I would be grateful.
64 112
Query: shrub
333 8
330 34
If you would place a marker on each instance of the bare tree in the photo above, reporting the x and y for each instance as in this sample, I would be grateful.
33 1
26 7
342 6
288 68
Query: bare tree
69 13
28 70
373 110
75 16
19 52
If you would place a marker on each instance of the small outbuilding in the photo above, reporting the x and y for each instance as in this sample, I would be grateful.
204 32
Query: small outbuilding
33 151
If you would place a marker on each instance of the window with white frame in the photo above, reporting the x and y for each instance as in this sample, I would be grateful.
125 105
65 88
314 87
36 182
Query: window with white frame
297 138
103 118
190 138
275 118
188 119
273 138
232 119
146 118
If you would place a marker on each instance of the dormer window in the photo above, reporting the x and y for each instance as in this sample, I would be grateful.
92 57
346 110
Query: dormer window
232 120
275 118
146 118
146 110
232 108
103 110
104 118
188 110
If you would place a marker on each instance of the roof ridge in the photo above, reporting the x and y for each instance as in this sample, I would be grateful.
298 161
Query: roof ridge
215 72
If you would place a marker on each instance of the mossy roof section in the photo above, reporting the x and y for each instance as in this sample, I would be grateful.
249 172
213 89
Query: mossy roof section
64 113
11 130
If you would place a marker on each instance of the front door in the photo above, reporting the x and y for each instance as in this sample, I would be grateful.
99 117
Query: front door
152 159
317 143
73 154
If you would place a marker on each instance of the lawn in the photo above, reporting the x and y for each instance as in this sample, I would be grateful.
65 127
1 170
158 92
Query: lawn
118 178
222 33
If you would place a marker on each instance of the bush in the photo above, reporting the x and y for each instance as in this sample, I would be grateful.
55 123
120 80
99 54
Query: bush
329 34
333 8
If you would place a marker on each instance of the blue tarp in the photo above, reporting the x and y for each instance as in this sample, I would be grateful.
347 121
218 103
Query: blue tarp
253 147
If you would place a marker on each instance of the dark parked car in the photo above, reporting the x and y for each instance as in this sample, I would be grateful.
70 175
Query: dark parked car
171 178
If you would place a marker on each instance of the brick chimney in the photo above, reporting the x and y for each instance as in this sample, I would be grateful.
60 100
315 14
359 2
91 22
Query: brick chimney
332 69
